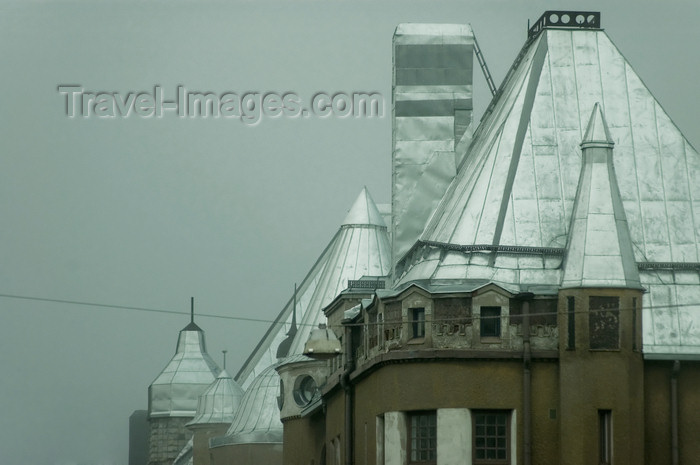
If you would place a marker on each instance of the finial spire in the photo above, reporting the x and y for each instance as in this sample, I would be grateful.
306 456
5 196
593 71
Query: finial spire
224 352
293 329
191 309
597 131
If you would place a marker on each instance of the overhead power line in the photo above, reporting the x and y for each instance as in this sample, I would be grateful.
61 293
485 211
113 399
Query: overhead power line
263 320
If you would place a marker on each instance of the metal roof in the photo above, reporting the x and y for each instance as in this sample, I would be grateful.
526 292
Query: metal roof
599 250
364 211
176 390
186 455
432 113
514 193
258 418
359 248
218 404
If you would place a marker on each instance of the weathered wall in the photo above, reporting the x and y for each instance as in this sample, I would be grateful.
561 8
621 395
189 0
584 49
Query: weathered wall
247 454
200 443
474 384
304 440
593 380
167 437
657 408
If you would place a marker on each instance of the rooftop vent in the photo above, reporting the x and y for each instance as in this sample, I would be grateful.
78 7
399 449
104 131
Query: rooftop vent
565 19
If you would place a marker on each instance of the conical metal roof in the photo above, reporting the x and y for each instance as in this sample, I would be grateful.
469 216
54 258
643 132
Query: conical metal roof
364 211
359 248
506 216
599 251
176 390
258 418
218 404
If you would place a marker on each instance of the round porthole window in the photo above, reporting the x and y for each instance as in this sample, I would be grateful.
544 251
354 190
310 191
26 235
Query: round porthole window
304 390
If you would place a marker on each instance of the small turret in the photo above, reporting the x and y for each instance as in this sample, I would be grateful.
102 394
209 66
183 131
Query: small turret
173 396
599 249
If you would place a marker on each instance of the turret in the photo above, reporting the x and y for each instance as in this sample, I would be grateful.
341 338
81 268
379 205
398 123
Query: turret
173 396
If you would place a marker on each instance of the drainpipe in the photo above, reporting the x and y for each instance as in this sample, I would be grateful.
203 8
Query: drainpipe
674 411
347 388
525 298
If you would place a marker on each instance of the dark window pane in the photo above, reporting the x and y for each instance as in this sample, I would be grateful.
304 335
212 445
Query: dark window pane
490 321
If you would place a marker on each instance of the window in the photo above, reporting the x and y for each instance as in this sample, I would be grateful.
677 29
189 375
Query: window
418 322
490 321
491 437
571 323
304 390
604 322
605 438
423 435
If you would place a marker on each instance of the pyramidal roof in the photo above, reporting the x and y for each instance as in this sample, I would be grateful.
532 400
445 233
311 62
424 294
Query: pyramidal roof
518 184
507 215
599 251
176 390
359 248
218 404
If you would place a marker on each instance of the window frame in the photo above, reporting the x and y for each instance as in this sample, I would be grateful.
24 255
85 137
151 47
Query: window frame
507 414
483 319
432 435
418 326
605 437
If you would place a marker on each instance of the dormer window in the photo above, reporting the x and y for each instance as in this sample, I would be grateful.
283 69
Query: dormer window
490 322
418 322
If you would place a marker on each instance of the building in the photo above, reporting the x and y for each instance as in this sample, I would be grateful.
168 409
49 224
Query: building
545 292
174 395
535 298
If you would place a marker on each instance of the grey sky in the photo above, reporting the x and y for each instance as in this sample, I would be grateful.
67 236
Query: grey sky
148 212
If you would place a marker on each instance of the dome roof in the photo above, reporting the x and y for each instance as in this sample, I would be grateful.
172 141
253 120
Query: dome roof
176 390
258 418
218 404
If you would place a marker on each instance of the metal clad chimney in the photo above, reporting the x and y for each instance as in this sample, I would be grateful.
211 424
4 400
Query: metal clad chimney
432 111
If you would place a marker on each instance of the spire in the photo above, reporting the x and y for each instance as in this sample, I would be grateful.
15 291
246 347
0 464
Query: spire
597 131
192 326
599 249
283 348
364 211
293 329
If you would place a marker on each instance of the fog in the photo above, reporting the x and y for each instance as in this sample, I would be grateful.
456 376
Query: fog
139 213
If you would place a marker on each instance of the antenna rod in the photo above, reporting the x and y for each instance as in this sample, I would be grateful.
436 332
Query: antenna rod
224 351
191 309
